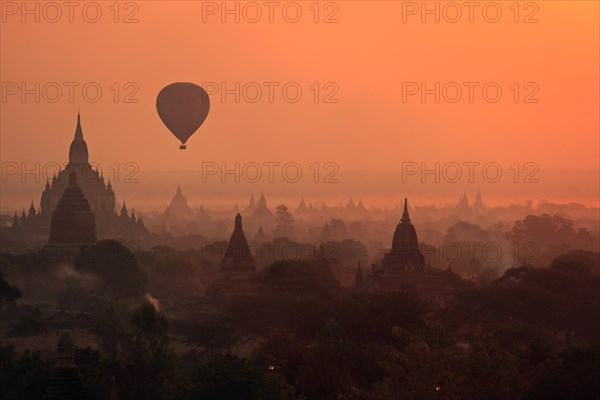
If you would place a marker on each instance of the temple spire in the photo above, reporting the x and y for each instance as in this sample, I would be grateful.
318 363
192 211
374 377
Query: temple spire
262 202
78 152
31 209
78 130
238 255
405 218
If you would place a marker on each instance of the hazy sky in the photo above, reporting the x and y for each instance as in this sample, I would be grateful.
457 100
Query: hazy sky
368 61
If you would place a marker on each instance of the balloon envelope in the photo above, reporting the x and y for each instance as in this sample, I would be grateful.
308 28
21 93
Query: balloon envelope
182 107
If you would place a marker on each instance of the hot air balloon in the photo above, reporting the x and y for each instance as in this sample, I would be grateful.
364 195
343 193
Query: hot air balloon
182 107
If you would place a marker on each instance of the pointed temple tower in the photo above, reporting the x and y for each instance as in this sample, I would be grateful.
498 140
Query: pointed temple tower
179 206
237 256
251 206
350 205
238 269
301 206
65 383
260 236
404 258
478 207
361 282
403 268
78 152
73 225
324 258
463 208
100 196
73 221
262 212
405 253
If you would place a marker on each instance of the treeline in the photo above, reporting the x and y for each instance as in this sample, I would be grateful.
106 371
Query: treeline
533 333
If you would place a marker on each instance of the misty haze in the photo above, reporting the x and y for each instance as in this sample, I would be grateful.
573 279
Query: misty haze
299 200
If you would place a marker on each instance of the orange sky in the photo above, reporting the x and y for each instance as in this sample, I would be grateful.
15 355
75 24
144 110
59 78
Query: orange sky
368 54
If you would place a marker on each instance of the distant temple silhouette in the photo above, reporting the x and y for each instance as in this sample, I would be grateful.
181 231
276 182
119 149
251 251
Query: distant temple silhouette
323 260
405 254
73 220
404 268
65 382
251 206
99 195
73 223
260 236
179 206
238 268
478 206
262 212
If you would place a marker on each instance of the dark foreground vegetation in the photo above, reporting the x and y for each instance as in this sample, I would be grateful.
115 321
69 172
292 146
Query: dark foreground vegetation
533 333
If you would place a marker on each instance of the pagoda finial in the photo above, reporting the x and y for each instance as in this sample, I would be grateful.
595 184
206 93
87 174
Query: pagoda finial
238 221
78 131
78 152
405 218
31 209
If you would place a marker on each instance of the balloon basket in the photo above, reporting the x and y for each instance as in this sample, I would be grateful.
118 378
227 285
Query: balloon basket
182 147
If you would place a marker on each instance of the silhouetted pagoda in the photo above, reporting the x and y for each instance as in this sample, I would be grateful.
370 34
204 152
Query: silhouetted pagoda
361 283
73 221
238 269
100 196
405 254
238 255
262 212
65 383
403 268
251 206
301 206
260 236
478 206
324 271
179 206
73 224
462 208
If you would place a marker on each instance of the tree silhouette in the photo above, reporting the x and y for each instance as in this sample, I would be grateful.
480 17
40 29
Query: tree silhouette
285 221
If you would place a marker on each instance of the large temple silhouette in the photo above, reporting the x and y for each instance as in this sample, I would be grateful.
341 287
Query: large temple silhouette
404 268
179 206
65 382
405 254
238 268
98 193
73 224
